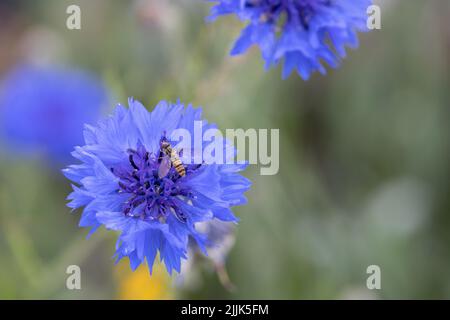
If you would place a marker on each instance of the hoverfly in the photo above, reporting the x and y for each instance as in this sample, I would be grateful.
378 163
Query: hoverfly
170 158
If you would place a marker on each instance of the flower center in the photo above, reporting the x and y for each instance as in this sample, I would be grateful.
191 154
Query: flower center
152 193
279 12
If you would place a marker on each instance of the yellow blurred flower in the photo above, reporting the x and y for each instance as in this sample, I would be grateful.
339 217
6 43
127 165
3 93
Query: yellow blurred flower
140 285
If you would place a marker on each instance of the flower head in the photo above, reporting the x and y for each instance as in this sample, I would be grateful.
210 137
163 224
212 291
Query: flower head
223 236
44 109
125 183
303 32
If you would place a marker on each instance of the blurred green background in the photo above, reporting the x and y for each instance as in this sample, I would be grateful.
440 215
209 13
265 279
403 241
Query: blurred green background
364 153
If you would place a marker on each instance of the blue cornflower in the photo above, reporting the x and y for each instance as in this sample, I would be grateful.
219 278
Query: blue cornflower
121 185
222 236
43 109
304 32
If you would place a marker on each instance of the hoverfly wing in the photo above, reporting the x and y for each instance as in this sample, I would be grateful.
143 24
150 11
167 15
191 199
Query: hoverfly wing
164 167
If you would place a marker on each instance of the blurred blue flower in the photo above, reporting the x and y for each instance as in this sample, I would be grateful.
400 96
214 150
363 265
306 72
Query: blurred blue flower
42 110
222 235
120 184
304 32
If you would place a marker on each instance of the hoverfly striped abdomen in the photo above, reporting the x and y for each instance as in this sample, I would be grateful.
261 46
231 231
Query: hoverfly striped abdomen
174 158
